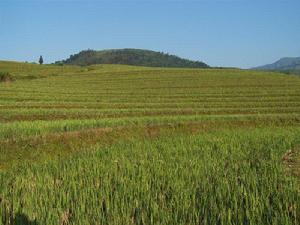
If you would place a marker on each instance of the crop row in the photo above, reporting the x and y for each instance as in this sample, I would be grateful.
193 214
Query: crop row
20 129
225 177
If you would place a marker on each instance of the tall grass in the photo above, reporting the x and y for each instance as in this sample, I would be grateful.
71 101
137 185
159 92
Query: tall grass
229 177
217 160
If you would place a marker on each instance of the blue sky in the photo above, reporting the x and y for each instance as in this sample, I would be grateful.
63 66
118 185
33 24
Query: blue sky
241 33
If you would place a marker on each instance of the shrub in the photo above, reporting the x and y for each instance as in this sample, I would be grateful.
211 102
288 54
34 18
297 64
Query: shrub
5 77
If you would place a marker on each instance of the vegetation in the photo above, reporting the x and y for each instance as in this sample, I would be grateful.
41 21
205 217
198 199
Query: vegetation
114 144
5 77
18 70
291 72
41 60
223 178
135 57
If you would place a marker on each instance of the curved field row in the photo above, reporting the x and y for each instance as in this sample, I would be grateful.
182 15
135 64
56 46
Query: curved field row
26 128
134 145
119 94
8 116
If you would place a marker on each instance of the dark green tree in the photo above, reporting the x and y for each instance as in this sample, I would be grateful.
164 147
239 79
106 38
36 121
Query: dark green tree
41 61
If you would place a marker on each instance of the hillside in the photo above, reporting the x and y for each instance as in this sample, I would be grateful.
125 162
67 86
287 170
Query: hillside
287 64
119 144
136 57
19 70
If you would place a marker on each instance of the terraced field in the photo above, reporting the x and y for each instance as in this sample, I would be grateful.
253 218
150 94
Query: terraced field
109 144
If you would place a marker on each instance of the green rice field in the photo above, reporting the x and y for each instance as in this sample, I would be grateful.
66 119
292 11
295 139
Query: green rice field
112 144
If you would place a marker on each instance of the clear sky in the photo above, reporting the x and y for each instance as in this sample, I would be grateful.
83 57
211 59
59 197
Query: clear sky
241 33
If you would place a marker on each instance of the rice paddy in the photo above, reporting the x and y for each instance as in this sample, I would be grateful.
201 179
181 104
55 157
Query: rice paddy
111 144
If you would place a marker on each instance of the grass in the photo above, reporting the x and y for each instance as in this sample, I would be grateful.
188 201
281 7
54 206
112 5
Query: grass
112 144
5 77
34 71
222 177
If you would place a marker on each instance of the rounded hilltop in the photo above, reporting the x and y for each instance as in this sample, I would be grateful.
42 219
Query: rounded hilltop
128 56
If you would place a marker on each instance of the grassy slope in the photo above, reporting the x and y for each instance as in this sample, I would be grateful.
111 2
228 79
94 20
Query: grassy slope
202 145
33 71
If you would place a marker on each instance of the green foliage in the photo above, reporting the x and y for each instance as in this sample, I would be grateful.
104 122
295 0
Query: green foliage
216 178
135 57
291 72
41 60
5 77
29 70
115 144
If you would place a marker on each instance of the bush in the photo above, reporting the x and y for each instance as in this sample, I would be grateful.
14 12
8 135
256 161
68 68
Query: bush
5 77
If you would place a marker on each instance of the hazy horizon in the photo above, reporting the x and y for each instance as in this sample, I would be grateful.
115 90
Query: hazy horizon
233 33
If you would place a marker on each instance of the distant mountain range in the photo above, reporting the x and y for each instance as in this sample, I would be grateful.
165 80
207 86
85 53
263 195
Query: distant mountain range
288 64
136 57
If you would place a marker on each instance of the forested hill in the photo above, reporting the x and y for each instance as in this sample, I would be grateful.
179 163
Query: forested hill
137 57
